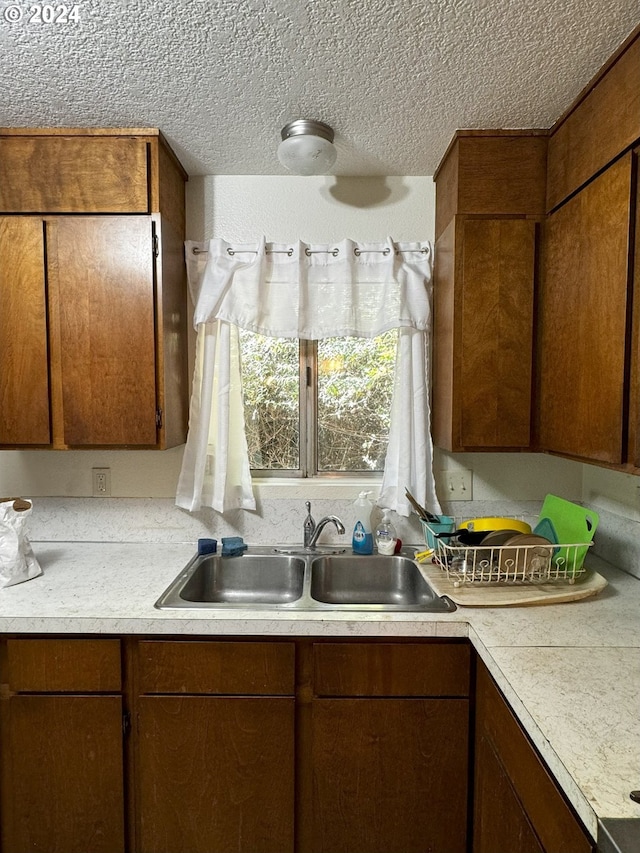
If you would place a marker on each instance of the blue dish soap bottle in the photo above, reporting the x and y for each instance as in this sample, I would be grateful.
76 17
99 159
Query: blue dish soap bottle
362 541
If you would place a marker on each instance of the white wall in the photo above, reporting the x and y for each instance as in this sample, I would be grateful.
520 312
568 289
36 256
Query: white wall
313 209
318 210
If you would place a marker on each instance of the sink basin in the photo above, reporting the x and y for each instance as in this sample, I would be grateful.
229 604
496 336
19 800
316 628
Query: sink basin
264 578
393 581
241 581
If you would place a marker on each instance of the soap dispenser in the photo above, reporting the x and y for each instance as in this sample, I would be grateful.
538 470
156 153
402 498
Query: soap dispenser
362 541
386 534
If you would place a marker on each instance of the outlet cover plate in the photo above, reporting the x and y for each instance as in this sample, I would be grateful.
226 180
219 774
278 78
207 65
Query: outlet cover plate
101 482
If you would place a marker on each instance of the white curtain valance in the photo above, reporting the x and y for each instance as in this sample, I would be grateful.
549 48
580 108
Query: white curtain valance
308 292
311 291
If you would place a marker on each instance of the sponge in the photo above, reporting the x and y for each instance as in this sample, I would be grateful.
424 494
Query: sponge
232 546
207 546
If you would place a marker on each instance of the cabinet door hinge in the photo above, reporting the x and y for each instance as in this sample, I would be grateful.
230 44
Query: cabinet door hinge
156 246
158 418
126 723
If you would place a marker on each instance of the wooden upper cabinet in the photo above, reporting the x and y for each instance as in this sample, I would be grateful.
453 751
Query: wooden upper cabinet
91 170
633 452
101 285
483 334
490 196
604 122
73 174
583 320
24 374
491 172
93 301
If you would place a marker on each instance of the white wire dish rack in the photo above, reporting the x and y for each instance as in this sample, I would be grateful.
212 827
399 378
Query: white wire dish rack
511 564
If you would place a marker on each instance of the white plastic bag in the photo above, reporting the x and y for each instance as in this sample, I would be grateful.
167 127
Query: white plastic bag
17 560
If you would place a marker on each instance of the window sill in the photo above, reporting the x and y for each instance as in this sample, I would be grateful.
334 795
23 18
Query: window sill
336 488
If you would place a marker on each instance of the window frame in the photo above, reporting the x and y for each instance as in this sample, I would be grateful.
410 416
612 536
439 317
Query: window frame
308 416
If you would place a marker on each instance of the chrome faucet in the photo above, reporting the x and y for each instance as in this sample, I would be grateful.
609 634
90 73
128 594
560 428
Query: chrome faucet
320 527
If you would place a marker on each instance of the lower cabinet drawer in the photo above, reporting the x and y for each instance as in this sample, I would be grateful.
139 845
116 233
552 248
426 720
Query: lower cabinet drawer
215 668
391 669
52 665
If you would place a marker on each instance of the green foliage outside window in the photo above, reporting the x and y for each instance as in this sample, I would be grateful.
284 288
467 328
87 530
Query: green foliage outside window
354 393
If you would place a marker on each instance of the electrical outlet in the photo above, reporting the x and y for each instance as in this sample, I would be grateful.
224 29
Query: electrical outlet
101 482
455 485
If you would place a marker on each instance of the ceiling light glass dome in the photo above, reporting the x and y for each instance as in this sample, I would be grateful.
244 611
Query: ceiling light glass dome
307 147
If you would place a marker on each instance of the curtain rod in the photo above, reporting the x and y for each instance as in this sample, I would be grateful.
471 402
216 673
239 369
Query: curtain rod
308 252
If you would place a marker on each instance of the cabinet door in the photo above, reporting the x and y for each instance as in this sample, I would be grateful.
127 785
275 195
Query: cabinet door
62 774
73 174
215 774
604 122
483 334
633 454
583 320
102 299
389 776
24 376
518 805
496 337
499 820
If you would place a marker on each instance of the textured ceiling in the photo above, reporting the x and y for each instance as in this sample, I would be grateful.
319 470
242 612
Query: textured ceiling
221 77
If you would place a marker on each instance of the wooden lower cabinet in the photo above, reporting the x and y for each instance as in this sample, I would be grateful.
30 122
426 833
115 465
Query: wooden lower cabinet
266 746
301 746
213 746
62 774
383 737
389 775
215 774
518 806
500 821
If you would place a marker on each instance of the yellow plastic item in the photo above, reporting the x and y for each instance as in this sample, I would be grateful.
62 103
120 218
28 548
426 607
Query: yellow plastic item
480 524
424 555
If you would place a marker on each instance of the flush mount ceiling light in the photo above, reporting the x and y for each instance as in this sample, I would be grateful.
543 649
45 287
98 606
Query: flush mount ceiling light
307 147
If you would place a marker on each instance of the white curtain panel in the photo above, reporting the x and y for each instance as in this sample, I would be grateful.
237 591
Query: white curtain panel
310 292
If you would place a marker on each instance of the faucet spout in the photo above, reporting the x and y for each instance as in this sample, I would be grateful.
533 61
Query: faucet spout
320 527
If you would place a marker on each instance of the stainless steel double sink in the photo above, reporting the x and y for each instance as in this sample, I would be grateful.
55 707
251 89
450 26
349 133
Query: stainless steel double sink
264 579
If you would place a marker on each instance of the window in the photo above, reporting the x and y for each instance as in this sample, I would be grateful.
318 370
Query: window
317 407
311 409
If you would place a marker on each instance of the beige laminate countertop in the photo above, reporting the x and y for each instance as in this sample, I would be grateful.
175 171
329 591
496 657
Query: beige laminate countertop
570 671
